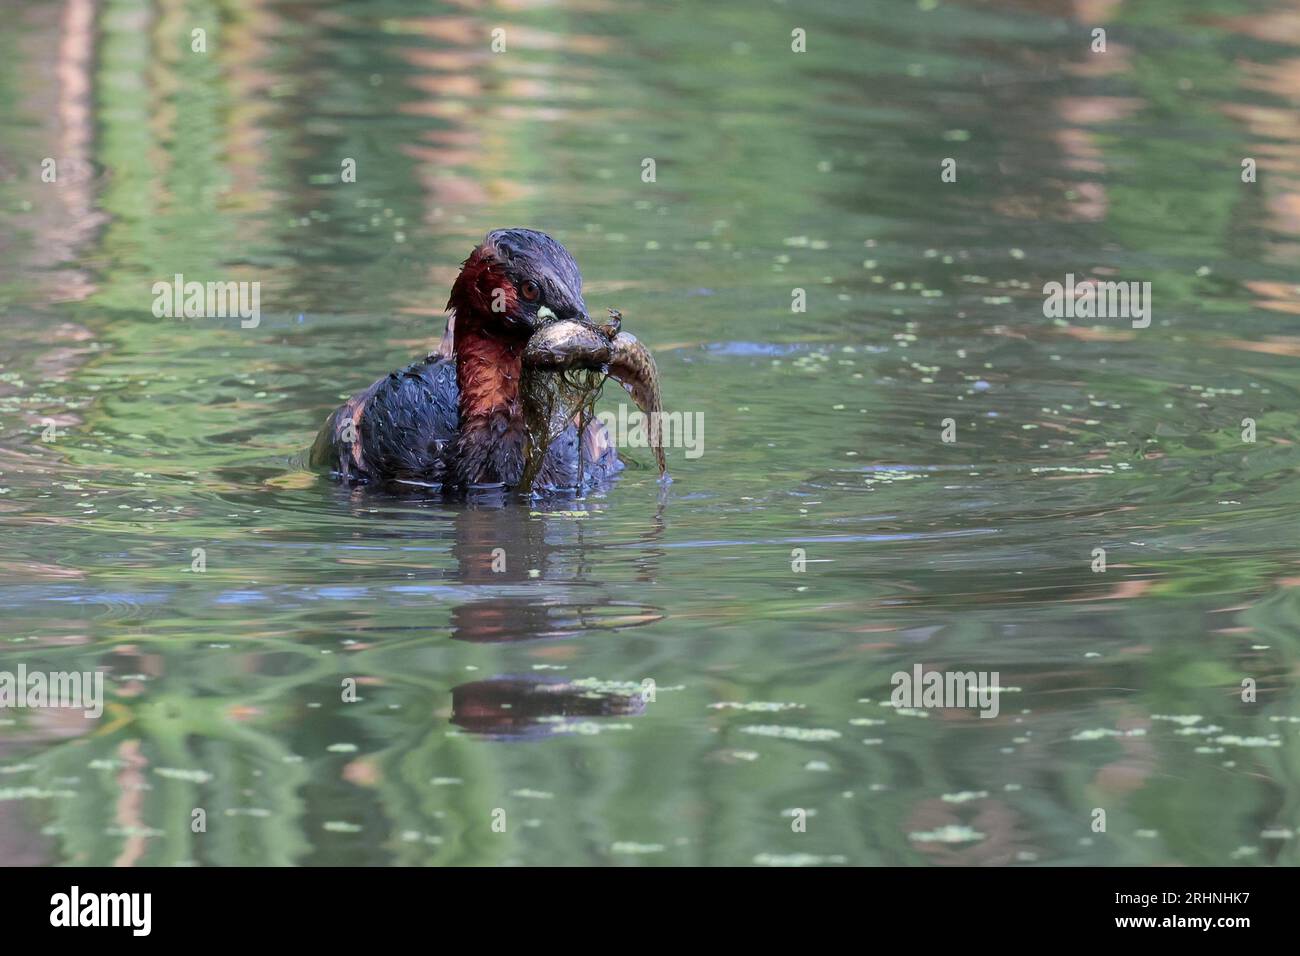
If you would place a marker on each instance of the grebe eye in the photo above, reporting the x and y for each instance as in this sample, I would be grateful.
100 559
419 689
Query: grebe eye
529 290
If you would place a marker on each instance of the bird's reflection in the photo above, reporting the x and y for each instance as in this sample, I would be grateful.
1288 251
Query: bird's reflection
505 545
528 566
536 574
523 707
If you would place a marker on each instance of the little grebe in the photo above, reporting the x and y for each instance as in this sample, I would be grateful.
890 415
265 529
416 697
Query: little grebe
457 418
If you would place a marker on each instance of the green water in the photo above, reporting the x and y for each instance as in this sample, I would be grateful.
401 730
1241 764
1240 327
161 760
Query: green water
522 690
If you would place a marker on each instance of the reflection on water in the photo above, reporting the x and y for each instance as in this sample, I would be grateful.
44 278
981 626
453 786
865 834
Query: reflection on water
513 706
641 676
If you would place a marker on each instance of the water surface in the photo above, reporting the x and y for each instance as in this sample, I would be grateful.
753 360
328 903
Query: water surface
522 691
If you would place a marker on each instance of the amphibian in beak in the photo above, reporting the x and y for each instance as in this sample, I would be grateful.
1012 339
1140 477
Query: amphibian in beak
570 345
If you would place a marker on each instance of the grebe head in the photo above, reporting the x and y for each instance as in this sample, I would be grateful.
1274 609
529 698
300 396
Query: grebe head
516 281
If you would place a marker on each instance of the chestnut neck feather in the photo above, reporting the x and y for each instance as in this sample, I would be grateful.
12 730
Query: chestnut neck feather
489 362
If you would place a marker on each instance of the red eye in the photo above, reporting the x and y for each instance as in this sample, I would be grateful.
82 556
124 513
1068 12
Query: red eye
529 290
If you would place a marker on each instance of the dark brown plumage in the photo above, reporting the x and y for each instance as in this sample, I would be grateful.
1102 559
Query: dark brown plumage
456 419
